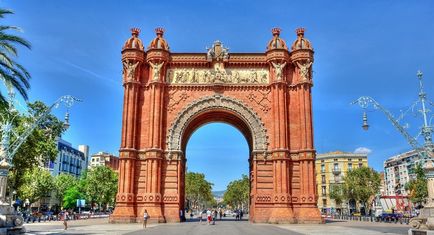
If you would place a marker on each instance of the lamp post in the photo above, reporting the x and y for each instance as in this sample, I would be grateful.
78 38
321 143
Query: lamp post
425 220
426 129
10 220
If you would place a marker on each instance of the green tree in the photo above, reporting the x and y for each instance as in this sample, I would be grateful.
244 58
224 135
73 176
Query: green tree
70 197
418 187
361 184
237 192
12 74
62 183
198 189
37 183
100 186
337 194
41 145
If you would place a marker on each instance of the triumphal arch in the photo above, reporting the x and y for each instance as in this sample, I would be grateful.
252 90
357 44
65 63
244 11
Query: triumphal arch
266 95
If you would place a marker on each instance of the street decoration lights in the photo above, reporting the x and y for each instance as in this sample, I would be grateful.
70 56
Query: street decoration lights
426 130
10 220
425 220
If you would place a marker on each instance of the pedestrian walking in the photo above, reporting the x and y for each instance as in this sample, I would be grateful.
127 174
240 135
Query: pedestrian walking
208 216
214 217
145 218
241 214
65 220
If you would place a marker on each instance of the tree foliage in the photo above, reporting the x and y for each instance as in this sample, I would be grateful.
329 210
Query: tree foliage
198 189
418 187
237 192
37 183
100 185
337 193
12 74
361 184
70 197
41 145
62 183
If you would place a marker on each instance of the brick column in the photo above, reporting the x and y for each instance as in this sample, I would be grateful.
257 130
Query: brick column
125 210
280 157
153 152
305 209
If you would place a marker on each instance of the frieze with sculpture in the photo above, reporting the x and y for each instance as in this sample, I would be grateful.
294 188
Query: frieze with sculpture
217 75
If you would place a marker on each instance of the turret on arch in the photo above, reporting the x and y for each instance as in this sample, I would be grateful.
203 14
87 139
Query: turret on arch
267 96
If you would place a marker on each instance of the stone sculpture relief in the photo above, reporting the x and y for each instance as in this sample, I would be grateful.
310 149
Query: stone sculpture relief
218 75
278 69
304 69
156 70
130 69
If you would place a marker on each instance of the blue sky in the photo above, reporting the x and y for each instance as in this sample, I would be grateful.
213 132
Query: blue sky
361 48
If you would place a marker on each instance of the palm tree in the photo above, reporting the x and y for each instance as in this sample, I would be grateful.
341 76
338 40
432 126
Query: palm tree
12 74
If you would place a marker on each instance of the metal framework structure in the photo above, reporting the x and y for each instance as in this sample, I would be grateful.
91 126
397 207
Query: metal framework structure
10 149
426 129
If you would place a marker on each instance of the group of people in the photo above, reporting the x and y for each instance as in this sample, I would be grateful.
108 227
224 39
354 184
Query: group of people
239 214
211 216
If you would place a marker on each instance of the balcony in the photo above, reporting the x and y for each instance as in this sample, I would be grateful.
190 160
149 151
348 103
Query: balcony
336 170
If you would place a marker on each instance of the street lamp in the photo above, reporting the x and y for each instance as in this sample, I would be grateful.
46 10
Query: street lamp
426 130
425 151
365 125
8 149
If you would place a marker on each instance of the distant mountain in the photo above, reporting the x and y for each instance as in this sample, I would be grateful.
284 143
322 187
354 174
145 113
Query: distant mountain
218 194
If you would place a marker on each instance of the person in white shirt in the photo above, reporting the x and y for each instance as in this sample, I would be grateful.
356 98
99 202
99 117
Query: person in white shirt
145 218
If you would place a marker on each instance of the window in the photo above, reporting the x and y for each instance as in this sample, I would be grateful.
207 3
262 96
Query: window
350 166
360 164
324 202
322 168
336 166
323 190
323 179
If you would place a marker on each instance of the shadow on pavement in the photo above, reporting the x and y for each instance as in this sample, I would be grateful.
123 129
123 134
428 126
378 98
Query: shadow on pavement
218 220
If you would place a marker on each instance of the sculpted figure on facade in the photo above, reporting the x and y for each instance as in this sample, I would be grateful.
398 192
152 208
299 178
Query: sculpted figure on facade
278 69
156 70
253 76
130 69
206 76
304 69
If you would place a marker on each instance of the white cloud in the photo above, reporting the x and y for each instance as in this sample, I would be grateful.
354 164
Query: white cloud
362 150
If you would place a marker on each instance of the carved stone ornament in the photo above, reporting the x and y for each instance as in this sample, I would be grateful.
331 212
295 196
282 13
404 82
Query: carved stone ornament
130 69
156 70
278 69
217 75
304 69
177 129
217 52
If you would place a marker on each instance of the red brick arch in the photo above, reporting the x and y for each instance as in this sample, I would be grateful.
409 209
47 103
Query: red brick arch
267 96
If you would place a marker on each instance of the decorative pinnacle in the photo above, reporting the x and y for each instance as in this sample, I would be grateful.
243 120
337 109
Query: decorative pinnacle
276 31
159 31
135 31
300 31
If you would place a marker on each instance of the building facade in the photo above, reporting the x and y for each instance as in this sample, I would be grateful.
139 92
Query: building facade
330 169
85 149
69 160
104 159
266 95
399 170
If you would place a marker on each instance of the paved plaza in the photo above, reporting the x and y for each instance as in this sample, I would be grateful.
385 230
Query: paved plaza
226 227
